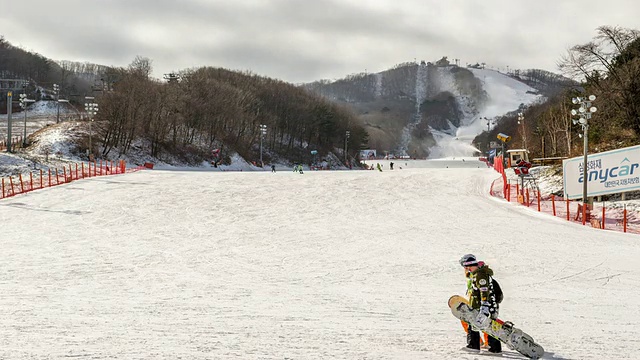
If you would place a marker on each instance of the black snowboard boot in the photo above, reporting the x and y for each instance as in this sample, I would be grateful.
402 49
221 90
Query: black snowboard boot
495 346
474 340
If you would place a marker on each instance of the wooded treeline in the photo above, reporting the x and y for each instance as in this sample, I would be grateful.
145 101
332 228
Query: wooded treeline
607 67
207 108
75 79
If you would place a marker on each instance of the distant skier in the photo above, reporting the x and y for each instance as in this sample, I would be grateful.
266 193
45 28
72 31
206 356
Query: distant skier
300 170
485 298
273 168
379 167
391 165
295 167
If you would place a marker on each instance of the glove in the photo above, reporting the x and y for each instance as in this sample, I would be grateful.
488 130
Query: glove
483 320
484 308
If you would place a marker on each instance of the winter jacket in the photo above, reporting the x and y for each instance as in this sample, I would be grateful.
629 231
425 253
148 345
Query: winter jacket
482 288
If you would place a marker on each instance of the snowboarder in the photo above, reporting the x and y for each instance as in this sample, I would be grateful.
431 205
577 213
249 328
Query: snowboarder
483 298
379 167
484 339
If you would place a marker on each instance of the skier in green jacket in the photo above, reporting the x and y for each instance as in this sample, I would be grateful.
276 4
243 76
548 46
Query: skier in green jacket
483 298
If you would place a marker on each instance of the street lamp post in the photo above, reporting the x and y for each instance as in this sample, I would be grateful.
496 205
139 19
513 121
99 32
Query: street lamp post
9 124
24 102
489 123
346 145
56 90
584 113
263 132
524 132
92 109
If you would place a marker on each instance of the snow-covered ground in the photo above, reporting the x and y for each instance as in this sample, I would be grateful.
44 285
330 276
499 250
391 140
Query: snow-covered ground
505 94
325 265
39 114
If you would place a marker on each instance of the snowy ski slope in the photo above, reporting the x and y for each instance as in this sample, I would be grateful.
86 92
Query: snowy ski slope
325 265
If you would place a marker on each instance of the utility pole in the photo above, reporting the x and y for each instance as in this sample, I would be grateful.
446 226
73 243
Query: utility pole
9 99
346 144
56 89
92 109
488 123
263 132
584 112
524 130
24 102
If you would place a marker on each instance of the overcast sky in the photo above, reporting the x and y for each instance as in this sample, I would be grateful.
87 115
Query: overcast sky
306 40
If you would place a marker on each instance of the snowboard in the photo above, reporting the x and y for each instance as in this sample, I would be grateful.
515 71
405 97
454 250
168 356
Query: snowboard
504 331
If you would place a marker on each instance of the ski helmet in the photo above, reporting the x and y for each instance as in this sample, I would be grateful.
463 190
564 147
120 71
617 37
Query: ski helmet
468 260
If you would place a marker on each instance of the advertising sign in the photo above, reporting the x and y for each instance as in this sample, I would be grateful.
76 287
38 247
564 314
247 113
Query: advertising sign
608 172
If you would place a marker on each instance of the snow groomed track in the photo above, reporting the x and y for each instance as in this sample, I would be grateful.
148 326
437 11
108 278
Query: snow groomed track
348 265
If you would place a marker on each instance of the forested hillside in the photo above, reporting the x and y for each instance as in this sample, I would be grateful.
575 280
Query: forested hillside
207 108
75 79
608 67
194 112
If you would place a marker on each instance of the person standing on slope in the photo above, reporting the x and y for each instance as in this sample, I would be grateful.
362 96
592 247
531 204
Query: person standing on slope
483 298
484 339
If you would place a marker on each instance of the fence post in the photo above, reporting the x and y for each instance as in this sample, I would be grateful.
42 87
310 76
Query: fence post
31 179
3 188
95 171
21 184
553 203
603 218
89 164
41 184
528 202
64 171
57 177
77 177
100 167
49 177
13 192
538 200
624 219
584 212
71 173
82 166
568 210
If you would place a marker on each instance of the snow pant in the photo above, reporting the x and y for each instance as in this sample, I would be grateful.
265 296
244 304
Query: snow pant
494 345
483 340
473 338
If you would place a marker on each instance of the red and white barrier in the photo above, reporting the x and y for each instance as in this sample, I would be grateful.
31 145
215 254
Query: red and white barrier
53 177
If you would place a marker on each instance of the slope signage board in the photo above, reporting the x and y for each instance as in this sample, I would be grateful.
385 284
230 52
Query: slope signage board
609 172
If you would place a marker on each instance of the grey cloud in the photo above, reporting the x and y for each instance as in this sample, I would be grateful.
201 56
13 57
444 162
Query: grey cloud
301 40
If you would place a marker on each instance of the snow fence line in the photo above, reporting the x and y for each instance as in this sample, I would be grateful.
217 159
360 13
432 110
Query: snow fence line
16 143
600 216
20 184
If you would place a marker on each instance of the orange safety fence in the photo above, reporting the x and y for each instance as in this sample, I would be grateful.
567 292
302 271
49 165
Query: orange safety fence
40 179
601 216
